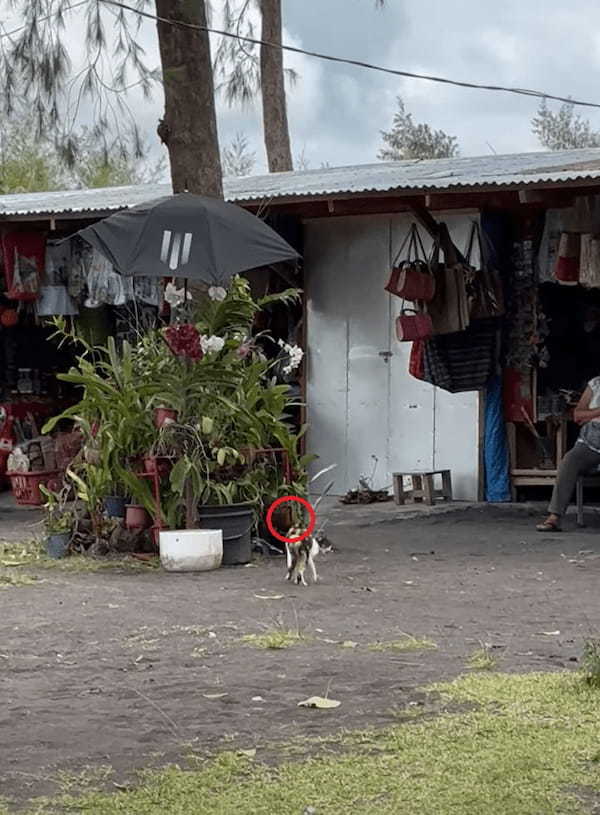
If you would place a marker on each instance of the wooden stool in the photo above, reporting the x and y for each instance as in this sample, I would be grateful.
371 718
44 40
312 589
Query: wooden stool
591 480
423 488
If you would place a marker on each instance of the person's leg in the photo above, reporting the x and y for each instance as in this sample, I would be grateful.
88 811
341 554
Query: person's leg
579 460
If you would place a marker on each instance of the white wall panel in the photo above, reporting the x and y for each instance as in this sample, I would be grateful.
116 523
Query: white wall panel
360 406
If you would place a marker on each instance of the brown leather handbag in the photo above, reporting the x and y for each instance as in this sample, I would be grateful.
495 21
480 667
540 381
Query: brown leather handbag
484 286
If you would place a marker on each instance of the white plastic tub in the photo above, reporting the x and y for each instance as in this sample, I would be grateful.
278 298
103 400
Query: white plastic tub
191 550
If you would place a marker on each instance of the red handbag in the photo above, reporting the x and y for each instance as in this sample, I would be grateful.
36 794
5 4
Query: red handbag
413 326
416 362
411 279
566 267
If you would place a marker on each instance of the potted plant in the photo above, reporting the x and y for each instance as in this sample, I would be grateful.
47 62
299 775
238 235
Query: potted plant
228 405
59 522
164 415
116 501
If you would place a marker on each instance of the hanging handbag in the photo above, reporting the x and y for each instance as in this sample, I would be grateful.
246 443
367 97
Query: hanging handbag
411 278
449 309
416 366
589 266
23 256
484 286
413 325
566 266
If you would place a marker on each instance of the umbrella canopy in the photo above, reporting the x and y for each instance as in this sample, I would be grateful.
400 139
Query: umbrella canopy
189 236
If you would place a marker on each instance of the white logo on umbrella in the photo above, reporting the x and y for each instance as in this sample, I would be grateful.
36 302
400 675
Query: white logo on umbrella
176 248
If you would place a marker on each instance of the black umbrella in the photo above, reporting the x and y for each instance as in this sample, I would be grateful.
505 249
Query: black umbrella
188 236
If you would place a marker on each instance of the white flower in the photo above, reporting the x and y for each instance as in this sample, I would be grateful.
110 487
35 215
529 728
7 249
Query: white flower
217 293
175 297
295 355
213 343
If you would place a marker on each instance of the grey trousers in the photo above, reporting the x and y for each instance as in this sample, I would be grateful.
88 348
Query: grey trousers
578 461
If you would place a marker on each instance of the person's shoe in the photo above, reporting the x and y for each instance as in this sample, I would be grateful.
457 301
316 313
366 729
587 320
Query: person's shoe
549 526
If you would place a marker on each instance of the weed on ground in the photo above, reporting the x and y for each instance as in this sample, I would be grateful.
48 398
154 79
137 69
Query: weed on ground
406 643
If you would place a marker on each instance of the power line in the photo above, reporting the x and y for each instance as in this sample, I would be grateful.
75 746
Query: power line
354 62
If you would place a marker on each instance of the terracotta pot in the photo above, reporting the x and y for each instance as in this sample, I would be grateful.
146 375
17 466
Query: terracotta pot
158 464
282 519
149 464
9 318
136 517
163 415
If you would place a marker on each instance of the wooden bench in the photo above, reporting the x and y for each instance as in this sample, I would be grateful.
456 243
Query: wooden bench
423 487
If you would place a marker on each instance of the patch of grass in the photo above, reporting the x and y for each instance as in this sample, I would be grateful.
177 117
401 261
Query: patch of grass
482 660
32 553
23 553
525 749
591 662
13 579
275 639
406 643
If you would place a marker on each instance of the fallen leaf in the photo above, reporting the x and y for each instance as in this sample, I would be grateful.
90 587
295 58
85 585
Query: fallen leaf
269 596
248 753
349 644
214 695
320 702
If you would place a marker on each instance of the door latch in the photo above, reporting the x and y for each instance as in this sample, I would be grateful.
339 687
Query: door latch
385 355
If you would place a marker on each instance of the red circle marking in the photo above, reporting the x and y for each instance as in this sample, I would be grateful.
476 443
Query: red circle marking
311 513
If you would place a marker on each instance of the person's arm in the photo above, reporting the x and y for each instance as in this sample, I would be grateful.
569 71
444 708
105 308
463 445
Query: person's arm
582 413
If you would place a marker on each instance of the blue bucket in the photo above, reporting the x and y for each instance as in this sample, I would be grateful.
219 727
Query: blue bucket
57 546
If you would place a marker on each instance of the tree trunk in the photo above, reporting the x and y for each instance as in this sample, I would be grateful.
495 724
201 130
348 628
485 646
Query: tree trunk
189 127
275 123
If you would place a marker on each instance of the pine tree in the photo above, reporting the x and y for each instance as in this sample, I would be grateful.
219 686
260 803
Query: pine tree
34 60
236 158
563 129
407 140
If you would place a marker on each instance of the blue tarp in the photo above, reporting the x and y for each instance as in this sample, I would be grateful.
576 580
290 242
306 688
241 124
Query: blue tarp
495 448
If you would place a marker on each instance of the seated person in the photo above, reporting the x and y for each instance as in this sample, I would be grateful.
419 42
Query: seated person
583 458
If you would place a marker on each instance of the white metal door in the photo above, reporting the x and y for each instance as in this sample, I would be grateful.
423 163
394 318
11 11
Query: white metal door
346 263
365 412
431 428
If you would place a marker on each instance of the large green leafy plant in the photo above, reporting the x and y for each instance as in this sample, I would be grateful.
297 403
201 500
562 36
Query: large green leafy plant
229 408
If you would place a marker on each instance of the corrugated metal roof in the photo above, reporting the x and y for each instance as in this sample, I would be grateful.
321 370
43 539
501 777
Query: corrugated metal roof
484 172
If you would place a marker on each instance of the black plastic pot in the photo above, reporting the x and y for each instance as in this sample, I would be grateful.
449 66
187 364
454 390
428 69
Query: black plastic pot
115 506
236 522
57 545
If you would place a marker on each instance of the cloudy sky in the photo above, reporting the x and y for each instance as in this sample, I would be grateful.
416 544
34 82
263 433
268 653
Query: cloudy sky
336 112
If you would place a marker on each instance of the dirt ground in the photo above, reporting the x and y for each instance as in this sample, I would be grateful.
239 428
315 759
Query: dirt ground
129 668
